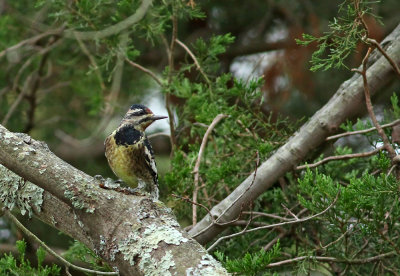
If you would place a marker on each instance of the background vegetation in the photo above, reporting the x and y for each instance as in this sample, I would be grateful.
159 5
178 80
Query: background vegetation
201 59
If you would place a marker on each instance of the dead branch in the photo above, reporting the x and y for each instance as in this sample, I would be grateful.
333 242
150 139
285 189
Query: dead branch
335 260
363 131
196 168
340 157
370 108
295 220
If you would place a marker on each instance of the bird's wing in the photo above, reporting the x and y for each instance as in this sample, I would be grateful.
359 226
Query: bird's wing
150 162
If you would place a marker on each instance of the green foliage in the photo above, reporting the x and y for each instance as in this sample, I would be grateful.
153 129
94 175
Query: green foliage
395 105
230 154
341 40
250 264
79 252
22 266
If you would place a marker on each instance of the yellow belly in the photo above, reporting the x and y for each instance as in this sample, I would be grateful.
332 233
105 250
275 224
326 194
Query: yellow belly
121 161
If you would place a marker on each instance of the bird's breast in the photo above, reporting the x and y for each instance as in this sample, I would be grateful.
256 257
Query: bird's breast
123 159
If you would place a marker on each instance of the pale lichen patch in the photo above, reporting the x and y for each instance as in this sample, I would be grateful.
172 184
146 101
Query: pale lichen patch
139 247
159 268
208 266
16 192
82 196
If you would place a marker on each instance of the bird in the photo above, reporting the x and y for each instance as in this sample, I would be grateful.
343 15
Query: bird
129 153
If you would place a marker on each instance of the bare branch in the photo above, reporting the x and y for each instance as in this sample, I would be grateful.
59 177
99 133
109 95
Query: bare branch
196 168
147 71
376 43
335 260
31 40
370 108
337 136
340 157
194 59
295 220
232 204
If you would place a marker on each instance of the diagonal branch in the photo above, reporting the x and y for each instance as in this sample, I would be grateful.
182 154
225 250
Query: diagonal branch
326 121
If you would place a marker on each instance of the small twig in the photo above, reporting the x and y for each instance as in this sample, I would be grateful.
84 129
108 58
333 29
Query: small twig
170 52
338 239
340 157
290 212
274 225
194 59
92 61
26 64
336 260
230 236
232 204
299 220
370 109
67 271
391 169
216 120
145 70
51 251
31 40
378 45
333 137
282 234
267 215
214 222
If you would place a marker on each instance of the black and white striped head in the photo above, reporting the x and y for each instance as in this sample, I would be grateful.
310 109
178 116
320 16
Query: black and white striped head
140 117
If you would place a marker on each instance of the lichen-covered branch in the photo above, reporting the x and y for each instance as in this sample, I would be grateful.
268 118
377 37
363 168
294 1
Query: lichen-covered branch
344 104
135 235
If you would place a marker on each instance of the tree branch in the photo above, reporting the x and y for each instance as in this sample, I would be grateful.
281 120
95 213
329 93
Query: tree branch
326 121
340 157
335 260
133 234
337 136
218 118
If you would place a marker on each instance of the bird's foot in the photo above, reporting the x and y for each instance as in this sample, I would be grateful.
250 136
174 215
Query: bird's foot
110 184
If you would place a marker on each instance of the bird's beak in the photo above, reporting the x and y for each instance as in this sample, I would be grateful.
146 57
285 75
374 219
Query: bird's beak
156 117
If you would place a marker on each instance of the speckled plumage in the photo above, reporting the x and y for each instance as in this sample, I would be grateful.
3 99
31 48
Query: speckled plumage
129 152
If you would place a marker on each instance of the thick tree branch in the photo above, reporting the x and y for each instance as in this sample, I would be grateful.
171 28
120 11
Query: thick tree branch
135 235
327 120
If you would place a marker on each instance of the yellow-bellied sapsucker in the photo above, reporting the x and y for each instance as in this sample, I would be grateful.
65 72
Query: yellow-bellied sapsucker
129 152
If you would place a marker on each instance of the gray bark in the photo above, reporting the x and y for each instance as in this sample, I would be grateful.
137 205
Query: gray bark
133 234
344 104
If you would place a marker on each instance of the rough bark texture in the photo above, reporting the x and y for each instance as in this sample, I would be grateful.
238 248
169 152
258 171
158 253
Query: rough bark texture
344 104
133 234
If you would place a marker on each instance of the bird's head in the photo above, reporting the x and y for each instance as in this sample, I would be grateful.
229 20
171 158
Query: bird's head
140 117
